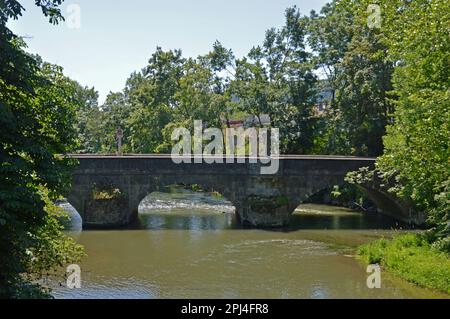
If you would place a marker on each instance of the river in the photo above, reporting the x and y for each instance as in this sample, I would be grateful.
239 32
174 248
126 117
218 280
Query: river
188 245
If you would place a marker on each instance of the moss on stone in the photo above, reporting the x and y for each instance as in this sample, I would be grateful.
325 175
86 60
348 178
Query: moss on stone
260 203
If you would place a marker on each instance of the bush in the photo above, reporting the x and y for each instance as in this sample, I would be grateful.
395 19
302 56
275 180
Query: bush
411 257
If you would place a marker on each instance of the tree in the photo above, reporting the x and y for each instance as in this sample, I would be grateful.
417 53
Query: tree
173 91
365 80
329 34
89 119
37 115
277 79
352 59
417 145
151 94
416 155
222 64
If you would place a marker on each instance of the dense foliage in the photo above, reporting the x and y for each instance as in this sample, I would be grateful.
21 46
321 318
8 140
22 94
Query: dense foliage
417 144
321 59
412 258
330 81
37 115
352 60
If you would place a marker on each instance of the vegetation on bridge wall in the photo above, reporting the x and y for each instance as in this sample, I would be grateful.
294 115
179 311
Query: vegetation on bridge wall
266 204
106 192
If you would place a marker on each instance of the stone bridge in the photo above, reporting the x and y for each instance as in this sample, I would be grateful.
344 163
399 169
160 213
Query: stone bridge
260 200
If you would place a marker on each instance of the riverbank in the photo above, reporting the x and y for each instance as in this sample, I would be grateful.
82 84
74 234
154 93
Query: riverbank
410 257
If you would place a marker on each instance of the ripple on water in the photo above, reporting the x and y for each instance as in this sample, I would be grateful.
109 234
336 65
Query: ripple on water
169 259
300 246
111 288
184 199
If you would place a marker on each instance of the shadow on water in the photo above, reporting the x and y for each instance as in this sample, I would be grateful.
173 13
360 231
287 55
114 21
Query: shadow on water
324 217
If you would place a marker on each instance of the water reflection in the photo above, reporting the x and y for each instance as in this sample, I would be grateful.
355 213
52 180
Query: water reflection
194 211
185 209
189 245
314 216
180 219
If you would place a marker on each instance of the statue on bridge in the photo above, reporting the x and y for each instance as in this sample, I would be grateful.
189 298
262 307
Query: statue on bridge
119 136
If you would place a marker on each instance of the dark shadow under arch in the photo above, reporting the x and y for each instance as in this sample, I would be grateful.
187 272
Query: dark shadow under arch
331 214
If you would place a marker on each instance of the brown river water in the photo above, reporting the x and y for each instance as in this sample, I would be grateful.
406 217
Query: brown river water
188 245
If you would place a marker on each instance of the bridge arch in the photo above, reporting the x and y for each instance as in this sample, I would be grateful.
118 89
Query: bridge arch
260 200
392 206
72 220
160 183
168 206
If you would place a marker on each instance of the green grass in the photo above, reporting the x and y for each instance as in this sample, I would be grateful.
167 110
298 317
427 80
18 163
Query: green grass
412 258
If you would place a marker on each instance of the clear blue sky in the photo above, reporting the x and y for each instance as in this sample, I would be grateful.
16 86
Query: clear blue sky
116 38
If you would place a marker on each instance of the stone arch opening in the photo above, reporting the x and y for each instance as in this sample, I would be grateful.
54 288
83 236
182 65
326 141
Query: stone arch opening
389 205
339 195
73 221
319 210
185 206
